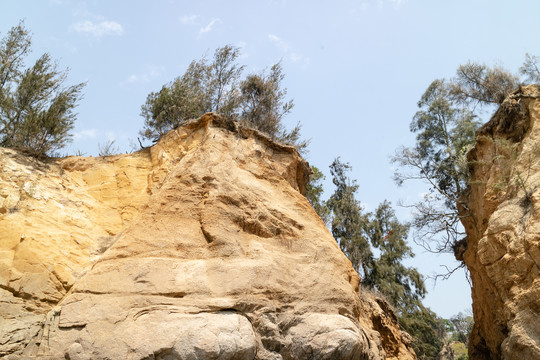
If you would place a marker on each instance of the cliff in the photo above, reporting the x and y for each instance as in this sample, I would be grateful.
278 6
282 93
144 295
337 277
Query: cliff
502 221
200 247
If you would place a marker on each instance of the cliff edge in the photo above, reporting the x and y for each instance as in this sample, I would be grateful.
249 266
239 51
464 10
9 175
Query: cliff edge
502 221
200 247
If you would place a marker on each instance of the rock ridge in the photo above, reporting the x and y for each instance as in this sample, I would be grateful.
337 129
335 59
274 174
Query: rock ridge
502 245
199 247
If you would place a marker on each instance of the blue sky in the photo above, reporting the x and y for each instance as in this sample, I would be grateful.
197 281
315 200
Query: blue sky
355 69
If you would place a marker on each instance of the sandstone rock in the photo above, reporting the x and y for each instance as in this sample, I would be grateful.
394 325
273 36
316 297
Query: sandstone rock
201 247
503 231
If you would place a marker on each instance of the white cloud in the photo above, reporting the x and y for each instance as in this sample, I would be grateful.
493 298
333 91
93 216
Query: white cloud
189 19
286 48
145 77
282 45
98 29
88 133
210 25
133 78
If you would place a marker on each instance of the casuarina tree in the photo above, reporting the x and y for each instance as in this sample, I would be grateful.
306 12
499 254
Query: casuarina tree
36 108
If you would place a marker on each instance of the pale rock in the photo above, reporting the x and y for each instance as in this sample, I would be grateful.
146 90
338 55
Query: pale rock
503 231
200 247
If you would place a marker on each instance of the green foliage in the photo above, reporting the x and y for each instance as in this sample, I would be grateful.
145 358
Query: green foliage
204 87
376 245
460 351
463 325
445 128
478 84
444 134
426 329
402 286
216 86
359 234
530 69
314 191
36 110
263 106
348 223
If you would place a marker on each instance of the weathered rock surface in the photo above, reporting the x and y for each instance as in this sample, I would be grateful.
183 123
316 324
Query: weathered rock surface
201 247
503 231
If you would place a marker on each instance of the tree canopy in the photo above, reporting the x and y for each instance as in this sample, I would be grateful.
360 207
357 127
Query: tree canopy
402 286
531 69
376 245
36 109
216 85
314 192
348 223
479 84
445 128
444 134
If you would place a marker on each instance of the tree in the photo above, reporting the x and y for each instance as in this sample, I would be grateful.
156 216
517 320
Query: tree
204 87
463 325
258 100
348 222
530 69
223 76
426 329
444 134
358 234
314 191
375 243
402 286
36 110
263 105
478 84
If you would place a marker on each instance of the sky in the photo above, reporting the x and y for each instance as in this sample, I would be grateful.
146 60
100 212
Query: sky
354 68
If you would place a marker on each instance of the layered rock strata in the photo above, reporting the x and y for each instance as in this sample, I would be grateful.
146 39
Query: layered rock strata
502 220
200 247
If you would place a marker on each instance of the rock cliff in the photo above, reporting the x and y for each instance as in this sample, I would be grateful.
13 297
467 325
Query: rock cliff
502 221
200 247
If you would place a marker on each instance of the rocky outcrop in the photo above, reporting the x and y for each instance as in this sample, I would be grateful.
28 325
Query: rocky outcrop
503 231
200 247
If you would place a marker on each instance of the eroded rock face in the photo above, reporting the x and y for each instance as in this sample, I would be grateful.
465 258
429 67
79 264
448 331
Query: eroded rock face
201 247
503 231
